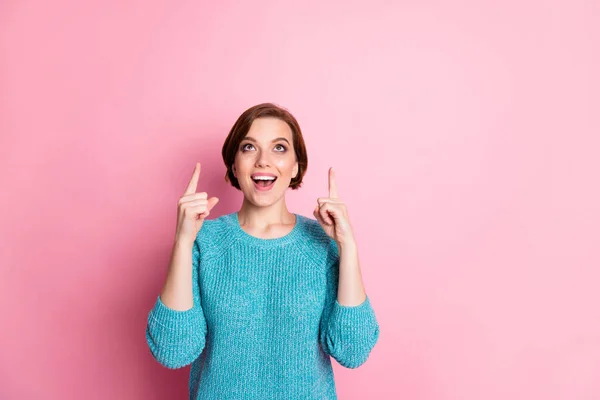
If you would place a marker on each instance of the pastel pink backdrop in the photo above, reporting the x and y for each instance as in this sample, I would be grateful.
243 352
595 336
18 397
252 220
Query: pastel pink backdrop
465 139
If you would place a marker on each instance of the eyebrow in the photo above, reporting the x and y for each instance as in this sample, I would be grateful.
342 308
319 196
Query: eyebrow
274 140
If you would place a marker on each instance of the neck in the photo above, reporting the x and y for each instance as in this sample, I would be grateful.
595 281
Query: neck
251 215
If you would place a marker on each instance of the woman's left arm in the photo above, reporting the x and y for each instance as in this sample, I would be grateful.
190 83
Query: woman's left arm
349 328
351 291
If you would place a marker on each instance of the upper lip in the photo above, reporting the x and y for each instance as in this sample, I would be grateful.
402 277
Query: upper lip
262 174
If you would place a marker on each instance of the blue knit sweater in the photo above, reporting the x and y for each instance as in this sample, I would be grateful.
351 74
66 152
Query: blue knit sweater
265 319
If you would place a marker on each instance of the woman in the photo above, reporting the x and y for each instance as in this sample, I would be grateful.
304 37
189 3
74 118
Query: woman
257 301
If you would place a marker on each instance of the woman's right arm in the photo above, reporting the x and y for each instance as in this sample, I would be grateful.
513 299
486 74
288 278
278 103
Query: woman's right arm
176 329
177 292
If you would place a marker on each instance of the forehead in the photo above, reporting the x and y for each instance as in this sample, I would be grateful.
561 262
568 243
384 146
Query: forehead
267 129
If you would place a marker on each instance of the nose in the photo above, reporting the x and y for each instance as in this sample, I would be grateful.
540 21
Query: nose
262 160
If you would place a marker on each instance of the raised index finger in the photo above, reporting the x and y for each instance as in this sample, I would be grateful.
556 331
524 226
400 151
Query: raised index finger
333 193
191 188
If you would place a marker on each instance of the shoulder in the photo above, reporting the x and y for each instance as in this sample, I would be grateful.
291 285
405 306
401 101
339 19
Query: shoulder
215 234
215 226
212 227
316 242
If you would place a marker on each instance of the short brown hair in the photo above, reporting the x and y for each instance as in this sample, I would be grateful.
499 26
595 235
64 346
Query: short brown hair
241 127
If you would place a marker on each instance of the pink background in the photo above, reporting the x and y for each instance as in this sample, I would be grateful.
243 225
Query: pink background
465 137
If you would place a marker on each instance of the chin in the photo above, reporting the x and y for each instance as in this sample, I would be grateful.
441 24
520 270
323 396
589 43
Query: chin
263 199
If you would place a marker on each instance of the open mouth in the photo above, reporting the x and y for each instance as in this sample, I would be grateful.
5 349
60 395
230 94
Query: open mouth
264 183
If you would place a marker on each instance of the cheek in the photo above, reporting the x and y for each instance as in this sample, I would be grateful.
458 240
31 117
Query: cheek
243 163
284 163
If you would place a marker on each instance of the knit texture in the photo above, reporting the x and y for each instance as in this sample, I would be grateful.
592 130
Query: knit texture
266 320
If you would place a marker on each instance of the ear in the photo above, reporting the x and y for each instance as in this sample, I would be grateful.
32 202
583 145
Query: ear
295 170
233 170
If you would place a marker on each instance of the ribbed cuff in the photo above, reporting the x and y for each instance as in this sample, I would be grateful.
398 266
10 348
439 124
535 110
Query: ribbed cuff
176 321
347 317
352 331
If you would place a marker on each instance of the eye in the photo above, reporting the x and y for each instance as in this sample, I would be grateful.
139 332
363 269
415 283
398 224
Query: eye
278 147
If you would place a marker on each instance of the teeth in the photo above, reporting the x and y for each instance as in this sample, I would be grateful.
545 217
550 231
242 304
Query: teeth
264 178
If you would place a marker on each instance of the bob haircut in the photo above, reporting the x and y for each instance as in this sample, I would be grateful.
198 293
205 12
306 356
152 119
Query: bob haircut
241 127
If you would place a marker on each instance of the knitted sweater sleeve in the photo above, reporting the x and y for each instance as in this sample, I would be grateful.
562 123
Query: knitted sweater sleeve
347 333
177 338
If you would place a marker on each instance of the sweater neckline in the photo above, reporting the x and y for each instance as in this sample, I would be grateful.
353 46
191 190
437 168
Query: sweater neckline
262 242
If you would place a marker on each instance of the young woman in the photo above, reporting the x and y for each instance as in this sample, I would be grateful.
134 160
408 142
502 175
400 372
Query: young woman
259 300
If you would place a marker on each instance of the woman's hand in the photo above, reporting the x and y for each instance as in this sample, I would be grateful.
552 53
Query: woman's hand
332 214
192 209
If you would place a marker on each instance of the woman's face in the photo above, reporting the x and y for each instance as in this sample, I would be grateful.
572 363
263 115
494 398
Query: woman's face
266 151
